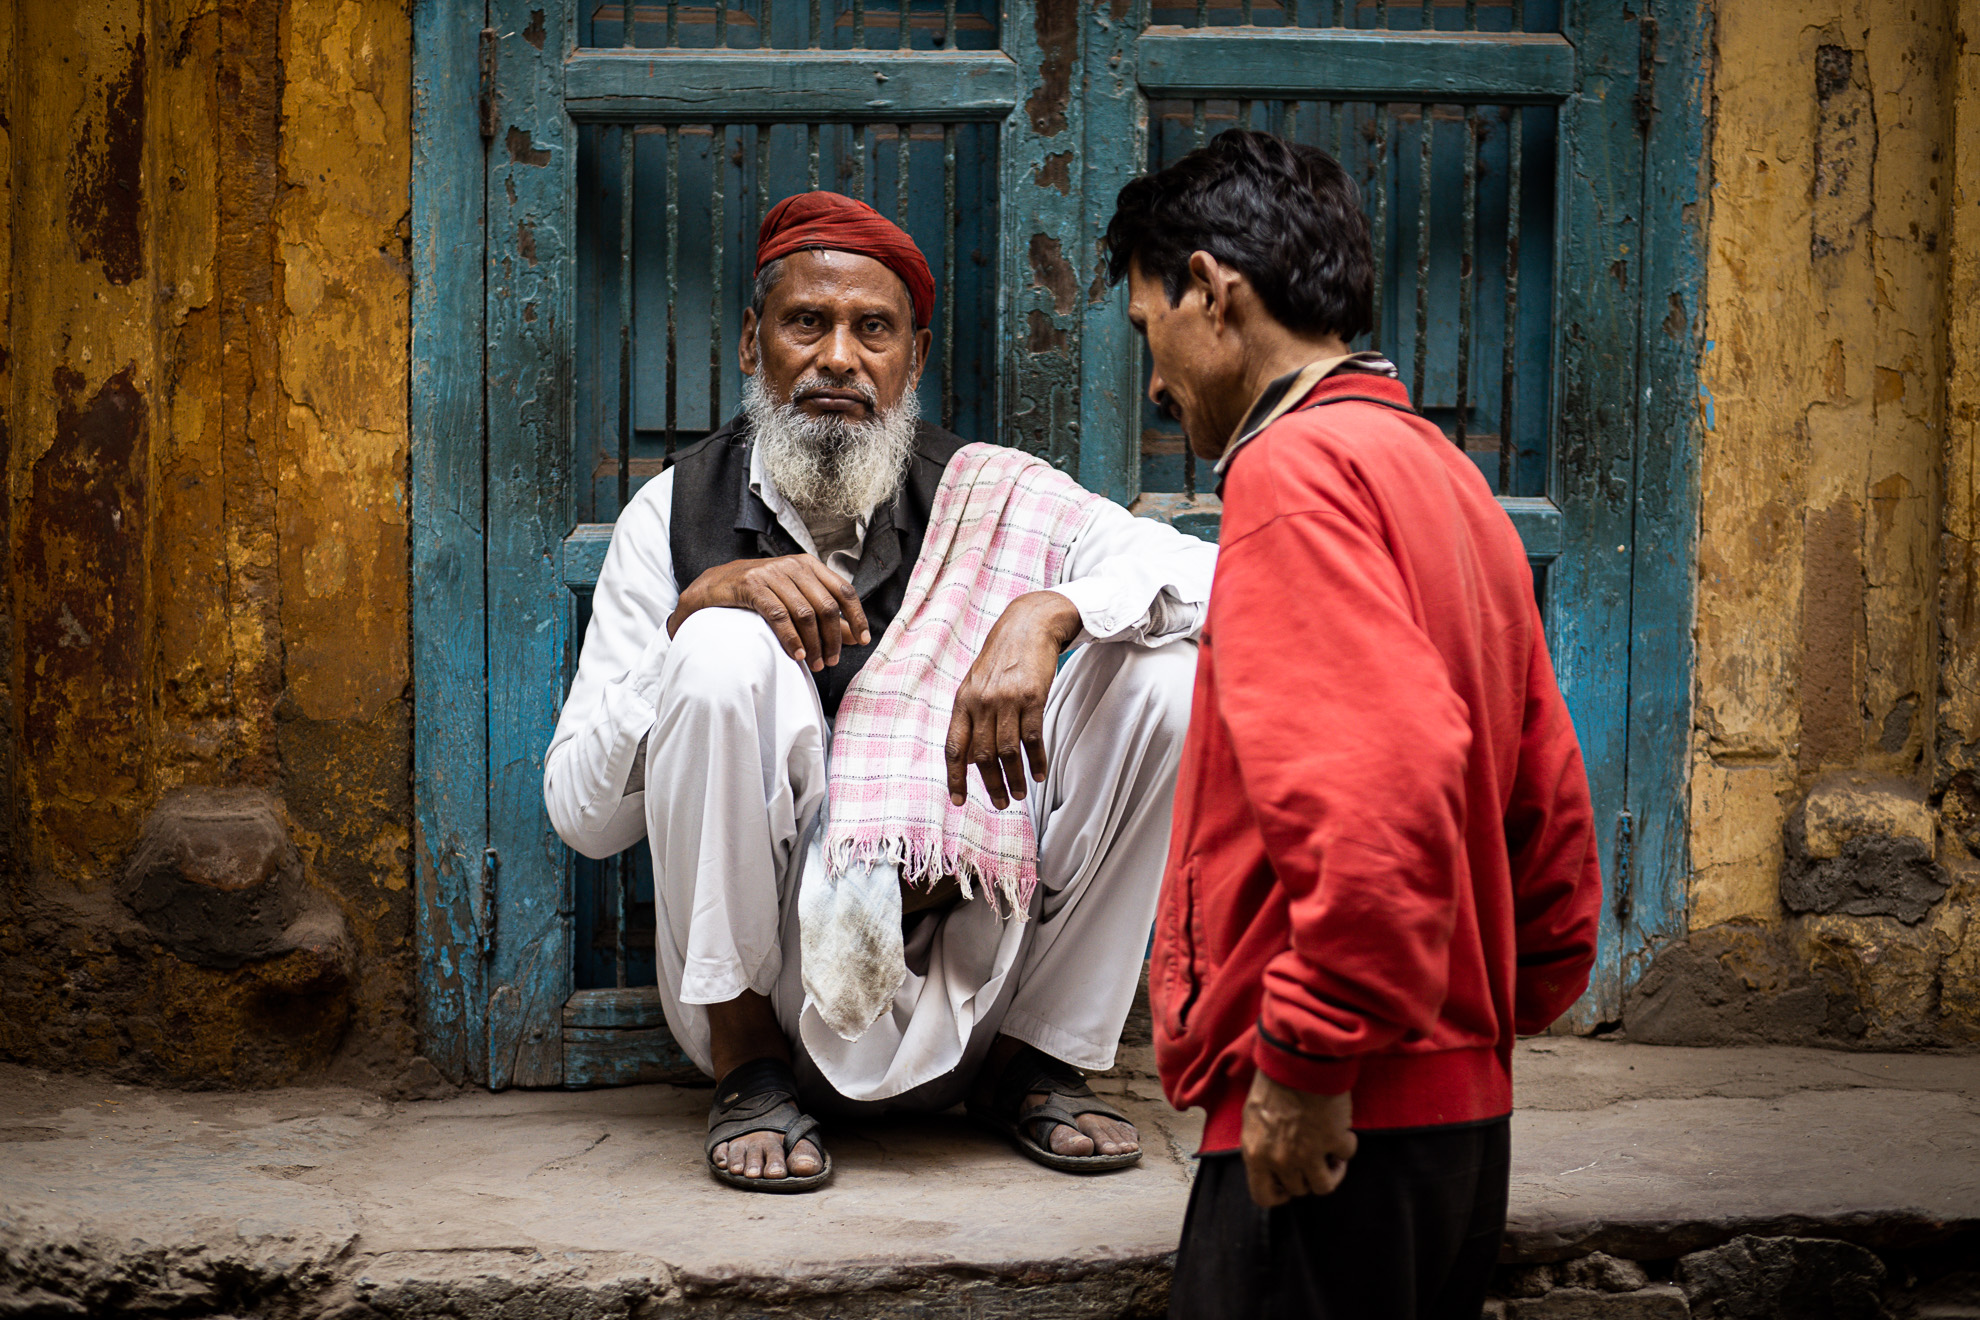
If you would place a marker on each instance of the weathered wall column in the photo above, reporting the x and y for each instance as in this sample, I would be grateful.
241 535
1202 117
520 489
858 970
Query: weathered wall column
206 411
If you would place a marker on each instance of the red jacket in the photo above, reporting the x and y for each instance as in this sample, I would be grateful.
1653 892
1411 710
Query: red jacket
1383 862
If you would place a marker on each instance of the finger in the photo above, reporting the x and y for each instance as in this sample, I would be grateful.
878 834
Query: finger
983 755
1265 1189
1031 732
850 609
804 619
825 609
958 754
1329 1176
774 612
1010 755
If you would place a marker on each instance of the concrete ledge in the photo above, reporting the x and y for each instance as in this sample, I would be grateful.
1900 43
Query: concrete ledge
316 1202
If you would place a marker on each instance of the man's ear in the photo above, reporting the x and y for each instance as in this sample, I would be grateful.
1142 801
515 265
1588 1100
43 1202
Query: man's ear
1218 283
924 341
746 356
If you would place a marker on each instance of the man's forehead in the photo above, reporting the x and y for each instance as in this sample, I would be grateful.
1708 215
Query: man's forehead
830 273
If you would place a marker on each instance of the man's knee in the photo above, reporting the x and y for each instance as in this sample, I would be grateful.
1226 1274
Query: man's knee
1159 684
721 659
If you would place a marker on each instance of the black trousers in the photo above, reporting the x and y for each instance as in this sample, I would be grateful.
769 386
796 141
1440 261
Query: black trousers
1411 1234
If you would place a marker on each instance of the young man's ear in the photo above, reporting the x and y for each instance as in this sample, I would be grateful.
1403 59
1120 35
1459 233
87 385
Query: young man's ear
1217 282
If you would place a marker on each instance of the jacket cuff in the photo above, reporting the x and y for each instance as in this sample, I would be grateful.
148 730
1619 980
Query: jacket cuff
1287 1065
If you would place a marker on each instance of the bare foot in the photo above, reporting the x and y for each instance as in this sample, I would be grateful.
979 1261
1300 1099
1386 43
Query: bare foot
761 1155
1096 1135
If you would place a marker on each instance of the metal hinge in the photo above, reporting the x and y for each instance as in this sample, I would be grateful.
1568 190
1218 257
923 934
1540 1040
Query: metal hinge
488 108
1625 865
491 864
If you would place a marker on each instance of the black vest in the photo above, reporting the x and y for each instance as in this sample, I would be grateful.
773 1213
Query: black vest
717 520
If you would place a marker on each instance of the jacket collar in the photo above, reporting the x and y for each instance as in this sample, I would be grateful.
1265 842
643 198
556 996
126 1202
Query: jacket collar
1288 392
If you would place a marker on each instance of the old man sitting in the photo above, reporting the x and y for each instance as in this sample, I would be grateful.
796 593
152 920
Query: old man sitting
805 633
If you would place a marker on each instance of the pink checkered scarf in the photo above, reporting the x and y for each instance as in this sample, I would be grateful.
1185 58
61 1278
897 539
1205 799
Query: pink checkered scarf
1001 526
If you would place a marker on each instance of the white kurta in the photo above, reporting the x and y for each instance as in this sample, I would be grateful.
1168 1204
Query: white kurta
735 774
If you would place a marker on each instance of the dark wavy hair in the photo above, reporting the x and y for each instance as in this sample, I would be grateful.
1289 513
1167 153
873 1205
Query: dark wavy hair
1286 215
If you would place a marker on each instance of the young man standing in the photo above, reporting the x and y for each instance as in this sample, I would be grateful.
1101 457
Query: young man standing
1383 860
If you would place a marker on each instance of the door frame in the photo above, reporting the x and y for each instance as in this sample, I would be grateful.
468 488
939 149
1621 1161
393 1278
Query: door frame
1627 439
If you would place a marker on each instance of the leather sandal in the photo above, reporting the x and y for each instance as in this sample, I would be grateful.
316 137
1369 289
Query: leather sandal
761 1096
1067 1096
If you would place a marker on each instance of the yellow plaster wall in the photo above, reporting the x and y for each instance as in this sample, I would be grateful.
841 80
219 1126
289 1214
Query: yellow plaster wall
205 400
1825 378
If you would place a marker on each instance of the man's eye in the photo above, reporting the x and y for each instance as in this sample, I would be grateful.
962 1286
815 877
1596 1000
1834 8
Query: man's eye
876 327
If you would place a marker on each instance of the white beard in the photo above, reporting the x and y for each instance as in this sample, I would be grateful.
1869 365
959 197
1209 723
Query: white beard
829 466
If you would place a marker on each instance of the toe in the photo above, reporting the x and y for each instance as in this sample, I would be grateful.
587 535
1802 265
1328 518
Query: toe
1070 1141
721 1156
804 1160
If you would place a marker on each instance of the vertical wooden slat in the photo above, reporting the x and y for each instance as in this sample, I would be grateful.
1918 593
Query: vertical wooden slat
1203 13
1110 382
811 155
717 277
859 25
1597 390
673 23
903 162
1419 363
1381 244
531 210
449 639
948 23
762 171
856 136
1664 576
949 275
1197 130
1509 367
673 283
722 24
763 14
817 23
1467 264
620 867
627 139
628 23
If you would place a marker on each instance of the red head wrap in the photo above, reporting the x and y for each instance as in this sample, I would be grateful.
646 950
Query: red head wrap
828 220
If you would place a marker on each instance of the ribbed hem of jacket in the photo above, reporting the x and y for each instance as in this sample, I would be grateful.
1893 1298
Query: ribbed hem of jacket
1392 1091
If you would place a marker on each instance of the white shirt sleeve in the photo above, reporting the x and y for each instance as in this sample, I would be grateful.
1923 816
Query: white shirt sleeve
610 707
1137 579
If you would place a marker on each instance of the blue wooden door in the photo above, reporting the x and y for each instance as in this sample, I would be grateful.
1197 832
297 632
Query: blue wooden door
588 184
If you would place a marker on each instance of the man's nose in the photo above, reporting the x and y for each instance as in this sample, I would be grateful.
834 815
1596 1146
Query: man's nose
1158 390
839 354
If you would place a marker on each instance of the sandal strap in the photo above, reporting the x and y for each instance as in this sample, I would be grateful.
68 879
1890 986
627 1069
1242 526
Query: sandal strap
1067 1096
759 1096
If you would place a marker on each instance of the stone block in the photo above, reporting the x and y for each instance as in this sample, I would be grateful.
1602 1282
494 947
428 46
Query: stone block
1863 845
1756 1278
1656 1302
214 877
1602 1272
1736 984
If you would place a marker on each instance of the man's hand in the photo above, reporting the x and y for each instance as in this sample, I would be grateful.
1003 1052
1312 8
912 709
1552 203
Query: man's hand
810 608
1000 707
1294 1143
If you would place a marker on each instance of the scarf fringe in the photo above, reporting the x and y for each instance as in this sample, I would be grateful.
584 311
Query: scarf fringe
924 861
